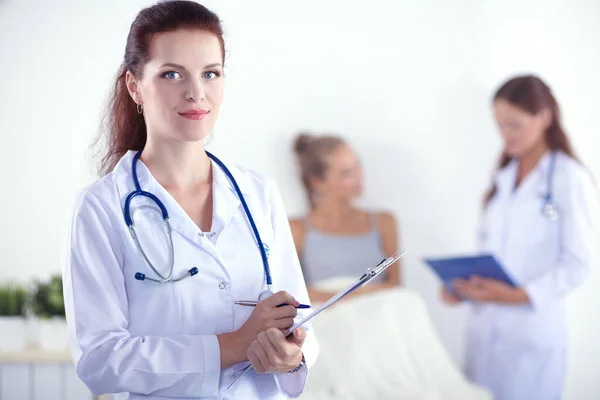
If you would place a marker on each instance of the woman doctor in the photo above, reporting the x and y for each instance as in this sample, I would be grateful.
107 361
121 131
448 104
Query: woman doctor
151 300
538 224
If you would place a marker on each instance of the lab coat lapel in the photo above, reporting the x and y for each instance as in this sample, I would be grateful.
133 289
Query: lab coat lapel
534 183
226 202
506 177
505 181
178 218
225 206
514 202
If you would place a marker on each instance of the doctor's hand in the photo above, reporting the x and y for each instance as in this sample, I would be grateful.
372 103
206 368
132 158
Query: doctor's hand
272 352
489 290
267 315
448 297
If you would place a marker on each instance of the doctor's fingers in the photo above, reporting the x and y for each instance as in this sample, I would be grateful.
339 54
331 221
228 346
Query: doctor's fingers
280 298
476 280
268 355
448 297
284 312
467 291
286 349
460 287
272 353
297 337
478 293
255 360
282 324
277 317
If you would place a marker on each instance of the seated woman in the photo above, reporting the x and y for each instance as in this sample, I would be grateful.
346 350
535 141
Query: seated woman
336 243
336 239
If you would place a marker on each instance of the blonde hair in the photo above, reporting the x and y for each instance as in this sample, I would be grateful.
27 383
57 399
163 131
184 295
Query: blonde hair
312 152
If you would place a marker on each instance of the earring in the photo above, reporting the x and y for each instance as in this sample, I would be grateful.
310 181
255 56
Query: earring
139 108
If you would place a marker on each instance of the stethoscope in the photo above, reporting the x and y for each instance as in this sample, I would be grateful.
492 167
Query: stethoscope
165 216
549 208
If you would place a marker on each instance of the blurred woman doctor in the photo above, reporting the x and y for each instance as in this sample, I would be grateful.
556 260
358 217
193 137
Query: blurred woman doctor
538 223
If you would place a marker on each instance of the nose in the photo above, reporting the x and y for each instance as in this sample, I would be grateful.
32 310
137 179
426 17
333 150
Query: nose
195 91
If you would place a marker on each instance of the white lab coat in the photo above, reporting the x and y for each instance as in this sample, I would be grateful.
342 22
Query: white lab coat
149 340
518 352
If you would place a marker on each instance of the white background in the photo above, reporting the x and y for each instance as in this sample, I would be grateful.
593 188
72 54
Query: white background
407 83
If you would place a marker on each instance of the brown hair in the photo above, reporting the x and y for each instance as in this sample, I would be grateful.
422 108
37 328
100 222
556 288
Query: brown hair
532 95
312 152
124 128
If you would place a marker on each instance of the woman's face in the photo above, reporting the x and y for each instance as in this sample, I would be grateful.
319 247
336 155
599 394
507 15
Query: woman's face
522 132
343 177
181 87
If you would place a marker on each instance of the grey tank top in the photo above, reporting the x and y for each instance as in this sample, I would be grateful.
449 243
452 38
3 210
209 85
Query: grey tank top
326 255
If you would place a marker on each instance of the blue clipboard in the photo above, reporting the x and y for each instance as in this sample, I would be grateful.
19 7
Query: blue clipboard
485 266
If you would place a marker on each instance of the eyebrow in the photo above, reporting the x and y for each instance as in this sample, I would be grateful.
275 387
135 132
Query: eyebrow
178 66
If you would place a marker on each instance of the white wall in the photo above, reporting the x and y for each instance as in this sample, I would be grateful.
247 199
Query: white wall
408 83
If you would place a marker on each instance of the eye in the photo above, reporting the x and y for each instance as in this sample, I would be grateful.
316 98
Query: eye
346 173
210 75
171 75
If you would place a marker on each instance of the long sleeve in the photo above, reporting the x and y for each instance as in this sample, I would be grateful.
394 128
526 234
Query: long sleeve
284 256
108 358
578 236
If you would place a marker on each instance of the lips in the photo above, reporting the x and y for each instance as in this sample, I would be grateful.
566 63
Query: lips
194 114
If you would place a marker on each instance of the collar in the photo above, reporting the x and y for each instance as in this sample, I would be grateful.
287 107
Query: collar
242 178
505 178
225 198
124 176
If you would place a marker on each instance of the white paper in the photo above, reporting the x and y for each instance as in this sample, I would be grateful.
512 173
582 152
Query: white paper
382 266
361 282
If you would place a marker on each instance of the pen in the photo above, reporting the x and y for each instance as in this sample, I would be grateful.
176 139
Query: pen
254 303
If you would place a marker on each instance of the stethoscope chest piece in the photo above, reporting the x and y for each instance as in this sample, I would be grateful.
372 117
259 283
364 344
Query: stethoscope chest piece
551 212
265 295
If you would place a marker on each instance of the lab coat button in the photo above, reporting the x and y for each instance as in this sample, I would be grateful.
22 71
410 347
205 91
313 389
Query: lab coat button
222 285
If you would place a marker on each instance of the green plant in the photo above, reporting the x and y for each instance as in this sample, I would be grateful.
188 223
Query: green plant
12 300
47 298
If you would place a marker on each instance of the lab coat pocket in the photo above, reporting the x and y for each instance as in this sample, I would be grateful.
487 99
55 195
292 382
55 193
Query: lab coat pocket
153 307
205 299
536 246
523 326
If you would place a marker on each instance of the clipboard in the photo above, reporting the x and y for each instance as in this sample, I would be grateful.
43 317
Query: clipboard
368 276
484 265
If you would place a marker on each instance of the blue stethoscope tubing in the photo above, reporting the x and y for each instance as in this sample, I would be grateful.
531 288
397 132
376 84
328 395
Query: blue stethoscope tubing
549 209
165 215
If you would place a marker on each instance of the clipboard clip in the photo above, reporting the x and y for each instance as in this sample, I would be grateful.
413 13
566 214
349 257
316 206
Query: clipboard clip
383 264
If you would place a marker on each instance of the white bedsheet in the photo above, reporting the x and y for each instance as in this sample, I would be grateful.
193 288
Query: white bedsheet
383 346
